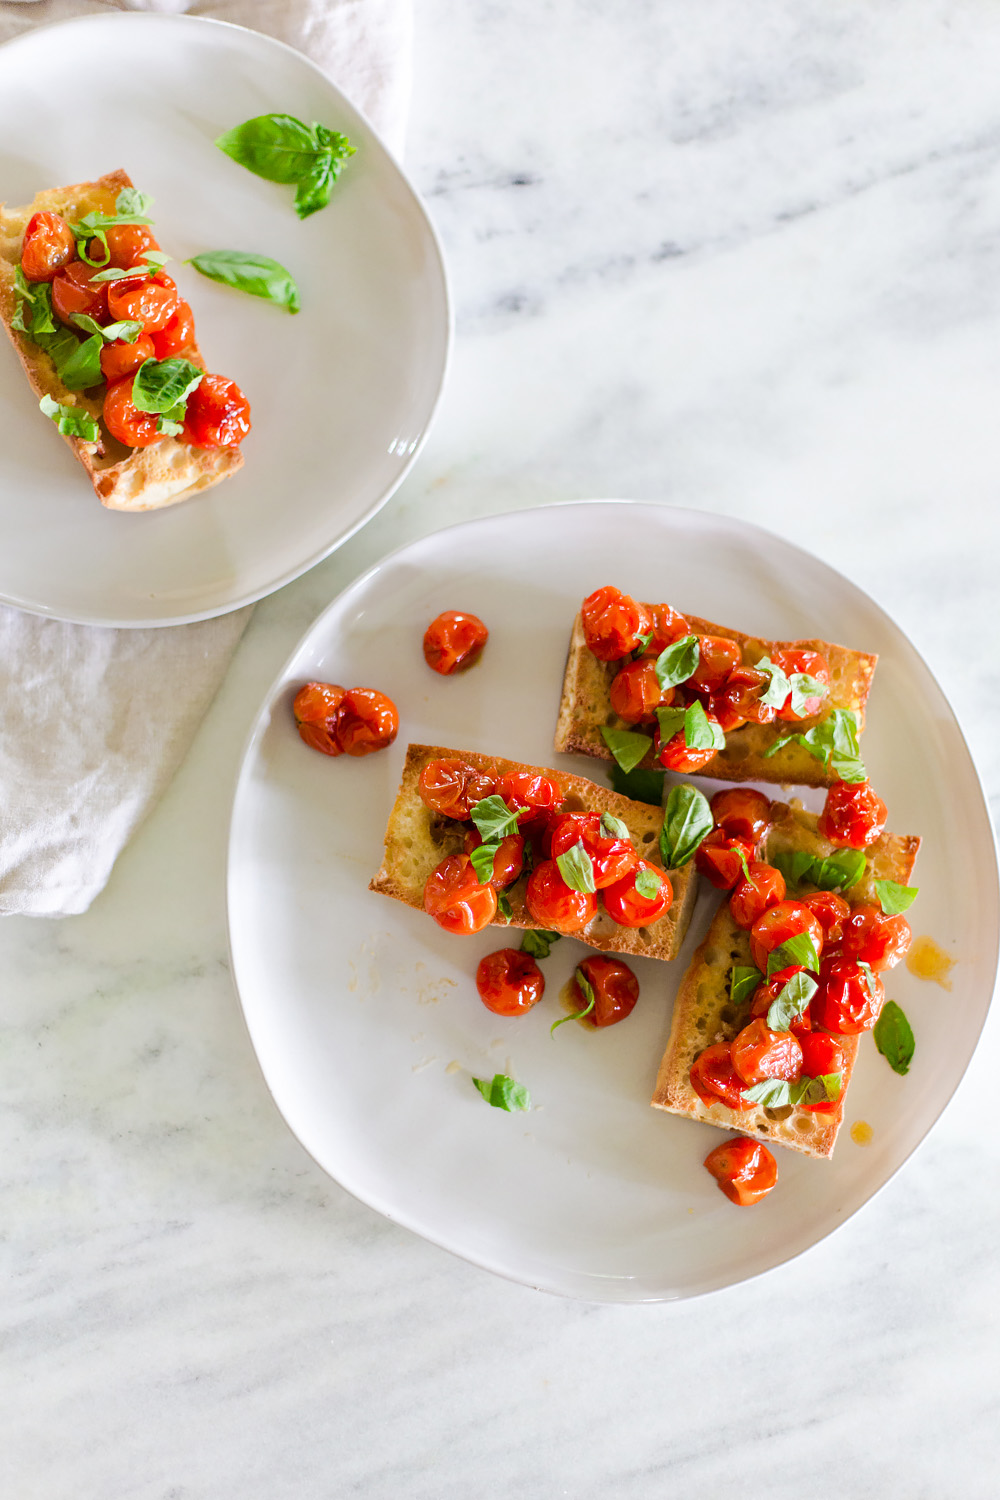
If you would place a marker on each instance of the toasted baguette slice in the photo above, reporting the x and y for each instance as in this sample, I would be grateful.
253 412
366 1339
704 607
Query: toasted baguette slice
417 840
586 706
124 478
704 1013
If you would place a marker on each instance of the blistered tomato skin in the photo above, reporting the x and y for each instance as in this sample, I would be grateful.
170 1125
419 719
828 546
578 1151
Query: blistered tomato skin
454 641
810 663
452 787
554 904
664 626
742 813
853 817
627 906
715 1080
119 360
831 911
759 1053
677 755
611 858
455 899
721 859
177 335
635 691
871 937
822 1054
368 721
316 709
509 982
744 1169
765 995
534 795
217 414
127 243
752 897
149 300
123 419
615 988
612 623
718 656
48 245
739 699
847 1001
508 861
785 920
74 291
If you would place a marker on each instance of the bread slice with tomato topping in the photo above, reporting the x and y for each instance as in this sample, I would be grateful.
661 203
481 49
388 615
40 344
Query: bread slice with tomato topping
417 840
705 1014
585 708
129 479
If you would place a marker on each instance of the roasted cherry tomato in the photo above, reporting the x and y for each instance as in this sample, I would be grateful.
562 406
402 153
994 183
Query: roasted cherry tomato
847 1001
759 1053
787 919
508 861
316 709
873 938
612 623
456 900
75 291
635 691
853 816
128 243
556 905
664 626
722 859
454 641
615 988
739 698
742 813
677 755
811 664
744 1169
509 982
119 360
715 1080
765 995
149 300
831 911
124 420
717 657
610 855
534 795
368 721
752 896
177 335
822 1054
629 906
453 787
217 414
48 245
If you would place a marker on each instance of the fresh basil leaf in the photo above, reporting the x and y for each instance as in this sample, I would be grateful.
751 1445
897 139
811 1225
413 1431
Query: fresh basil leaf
614 828
169 425
81 366
869 974
72 421
313 191
743 981
804 689
648 884
586 989
791 1001
895 898
834 741
894 1037
577 868
640 785
678 662
152 261
776 1093
823 1088
778 687
503 1093
504 909
837 872
794 864
160 385
124 332
130 204
701 732
641 644
671 721
687 818
493 818
627 747
83 251
277 147
35 300
482 859
257 275
799 949
538 941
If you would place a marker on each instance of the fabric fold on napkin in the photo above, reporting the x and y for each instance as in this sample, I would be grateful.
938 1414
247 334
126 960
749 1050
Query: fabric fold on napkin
94 722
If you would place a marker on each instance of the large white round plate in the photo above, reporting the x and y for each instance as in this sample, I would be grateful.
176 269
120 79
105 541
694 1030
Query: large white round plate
342 394
359 1008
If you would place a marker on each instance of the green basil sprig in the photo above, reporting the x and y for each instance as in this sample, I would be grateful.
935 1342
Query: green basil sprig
483 858
627 746
80 366
131 207
614 828
649 884
504 909
678 662
700 732
743 981
280 148
152 261
895 898
778 1093
894 1037
257 275
493 818
836 872
639 784
687 818
791 1002
586 989
33 315
537 941
72 421
503 1093
164 385
799 949
800 686
577 868
834 741
125 332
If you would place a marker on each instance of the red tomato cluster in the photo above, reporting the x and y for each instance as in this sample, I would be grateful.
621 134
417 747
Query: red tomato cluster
217 414
355 721
619 629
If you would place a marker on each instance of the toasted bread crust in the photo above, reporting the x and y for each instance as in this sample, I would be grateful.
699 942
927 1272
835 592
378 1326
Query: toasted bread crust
124 479
586 706
416 841
704 1014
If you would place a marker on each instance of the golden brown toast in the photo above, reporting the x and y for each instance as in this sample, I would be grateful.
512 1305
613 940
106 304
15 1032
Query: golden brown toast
417 840
131 479
586 706
704 1014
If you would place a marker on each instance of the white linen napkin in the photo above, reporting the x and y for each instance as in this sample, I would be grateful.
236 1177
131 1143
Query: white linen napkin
85 747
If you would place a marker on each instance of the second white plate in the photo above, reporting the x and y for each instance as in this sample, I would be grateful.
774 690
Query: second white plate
365 1016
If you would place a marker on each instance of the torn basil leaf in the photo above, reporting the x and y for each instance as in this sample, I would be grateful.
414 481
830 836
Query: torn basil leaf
125 332
280 148
80 366
743 981
894 1037
648 884
587 991
72 421
627 746
482 859
799 949
160 385
33 315
671 721
791 1002
257 275
687 818
834 741
895 898
678 662
503 1093
836 872
640 785
577 868
537 941
614 828
504 909
701 732
493 818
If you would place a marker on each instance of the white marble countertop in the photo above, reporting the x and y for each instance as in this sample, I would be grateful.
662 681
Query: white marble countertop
745 259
